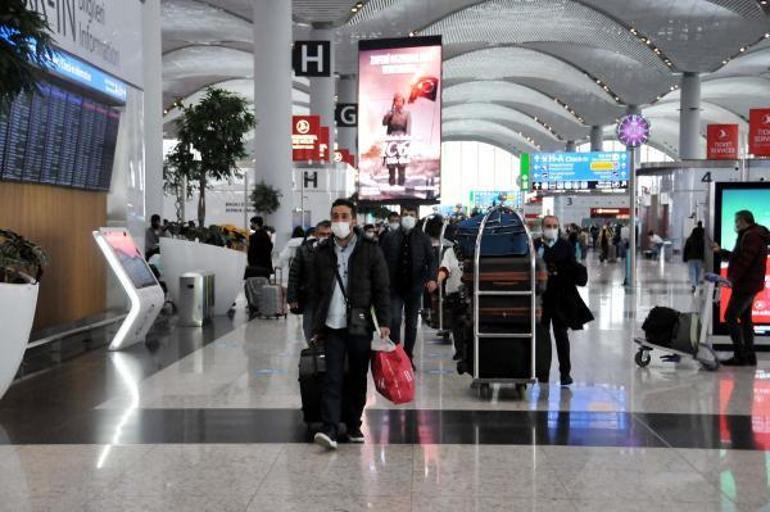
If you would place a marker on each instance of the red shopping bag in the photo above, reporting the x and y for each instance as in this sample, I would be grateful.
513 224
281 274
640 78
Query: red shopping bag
393 375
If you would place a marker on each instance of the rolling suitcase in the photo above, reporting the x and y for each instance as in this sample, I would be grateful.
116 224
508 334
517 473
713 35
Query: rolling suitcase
253 288
312 367
272 302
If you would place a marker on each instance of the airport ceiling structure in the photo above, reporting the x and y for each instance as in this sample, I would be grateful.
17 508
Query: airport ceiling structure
521 74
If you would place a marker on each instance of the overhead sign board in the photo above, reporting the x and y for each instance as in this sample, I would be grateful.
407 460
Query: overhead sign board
596 170
305 133
104 33
312 58
346 115
759 131
722 141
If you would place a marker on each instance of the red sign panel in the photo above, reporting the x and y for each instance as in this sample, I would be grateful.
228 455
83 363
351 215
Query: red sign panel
323 152
344 156
759 131
305 132
722 141
610 212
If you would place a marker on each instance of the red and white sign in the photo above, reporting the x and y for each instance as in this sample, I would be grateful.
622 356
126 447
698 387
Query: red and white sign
344 156
323 152
759 131
305 134
722 141
620 213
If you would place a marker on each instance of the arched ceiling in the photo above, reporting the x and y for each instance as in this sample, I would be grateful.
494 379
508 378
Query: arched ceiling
506 60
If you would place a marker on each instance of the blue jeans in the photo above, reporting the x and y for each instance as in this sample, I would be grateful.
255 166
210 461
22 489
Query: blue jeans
408 307
696 268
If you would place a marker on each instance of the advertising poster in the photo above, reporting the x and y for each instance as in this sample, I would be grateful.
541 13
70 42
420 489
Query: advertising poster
399 123
730 198
722 141
602 170
759 131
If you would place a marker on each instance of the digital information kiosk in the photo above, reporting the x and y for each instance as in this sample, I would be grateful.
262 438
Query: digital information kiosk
136 277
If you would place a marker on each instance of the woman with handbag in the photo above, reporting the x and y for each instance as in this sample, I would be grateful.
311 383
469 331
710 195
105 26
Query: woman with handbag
563 308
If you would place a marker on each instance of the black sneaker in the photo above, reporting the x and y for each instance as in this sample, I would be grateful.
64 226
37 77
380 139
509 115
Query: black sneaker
733 361
325 439
751 360
566 380
356 436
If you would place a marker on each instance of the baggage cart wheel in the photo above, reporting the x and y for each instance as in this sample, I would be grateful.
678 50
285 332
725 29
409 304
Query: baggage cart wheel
485 391
642 358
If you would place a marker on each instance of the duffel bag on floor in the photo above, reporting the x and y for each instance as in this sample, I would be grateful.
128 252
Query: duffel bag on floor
660 326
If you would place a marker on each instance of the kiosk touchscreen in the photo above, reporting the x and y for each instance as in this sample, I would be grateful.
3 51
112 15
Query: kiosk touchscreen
143 290
730 197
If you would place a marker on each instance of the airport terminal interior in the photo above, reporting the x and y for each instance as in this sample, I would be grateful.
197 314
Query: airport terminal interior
555 298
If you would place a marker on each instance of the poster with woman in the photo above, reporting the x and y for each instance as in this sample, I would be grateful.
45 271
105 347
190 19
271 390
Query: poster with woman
399 125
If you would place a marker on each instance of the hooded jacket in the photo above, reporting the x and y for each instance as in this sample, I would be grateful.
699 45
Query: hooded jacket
747 262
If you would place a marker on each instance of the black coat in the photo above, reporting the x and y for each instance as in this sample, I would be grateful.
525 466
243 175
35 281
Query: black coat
695 246
300 273
368 284
561 298
424 264
261 250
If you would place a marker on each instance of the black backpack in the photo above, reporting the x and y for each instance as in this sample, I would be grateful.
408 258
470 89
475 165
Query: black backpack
660 326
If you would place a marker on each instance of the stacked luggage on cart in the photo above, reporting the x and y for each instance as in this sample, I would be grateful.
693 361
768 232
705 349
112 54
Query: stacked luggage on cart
499 339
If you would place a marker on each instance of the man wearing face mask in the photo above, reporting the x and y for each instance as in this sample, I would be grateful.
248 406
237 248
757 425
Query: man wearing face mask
350 277
412 266
370 232
746 273
563 308
301 275
394 221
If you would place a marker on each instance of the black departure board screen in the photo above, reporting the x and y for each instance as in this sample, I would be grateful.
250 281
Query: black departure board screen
58 137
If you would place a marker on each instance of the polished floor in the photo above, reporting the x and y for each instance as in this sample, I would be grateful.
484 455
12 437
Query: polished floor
209 421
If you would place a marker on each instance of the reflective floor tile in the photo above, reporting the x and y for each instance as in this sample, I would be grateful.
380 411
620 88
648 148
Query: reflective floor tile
340 503
480 503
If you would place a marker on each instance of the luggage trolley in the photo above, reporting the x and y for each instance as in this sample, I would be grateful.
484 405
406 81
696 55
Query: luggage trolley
479 379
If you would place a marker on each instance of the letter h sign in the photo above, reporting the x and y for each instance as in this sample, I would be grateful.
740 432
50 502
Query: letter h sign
311 58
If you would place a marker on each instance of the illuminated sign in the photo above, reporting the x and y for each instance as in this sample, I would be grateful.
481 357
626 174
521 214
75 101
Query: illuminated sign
722 141
759 131
597 170
633 130
399 119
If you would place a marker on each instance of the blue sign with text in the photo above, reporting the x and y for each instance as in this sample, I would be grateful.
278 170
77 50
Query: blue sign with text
598 170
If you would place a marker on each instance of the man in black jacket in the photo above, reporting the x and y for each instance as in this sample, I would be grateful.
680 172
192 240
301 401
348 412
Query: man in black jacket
260 251
350 277
300 277
412 267
562 306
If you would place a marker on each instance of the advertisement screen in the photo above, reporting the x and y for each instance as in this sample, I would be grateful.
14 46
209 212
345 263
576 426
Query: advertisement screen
130 258
731 198
399 124
607 170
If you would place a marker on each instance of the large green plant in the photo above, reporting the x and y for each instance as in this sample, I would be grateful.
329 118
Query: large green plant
178 170
24 48
20 260
265 198
215 128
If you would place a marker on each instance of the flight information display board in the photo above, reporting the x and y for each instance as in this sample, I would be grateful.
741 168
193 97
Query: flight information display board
602 170
58 137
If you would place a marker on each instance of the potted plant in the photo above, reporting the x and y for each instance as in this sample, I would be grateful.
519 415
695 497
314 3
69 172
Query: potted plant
265 198
21 267
19 60
214 128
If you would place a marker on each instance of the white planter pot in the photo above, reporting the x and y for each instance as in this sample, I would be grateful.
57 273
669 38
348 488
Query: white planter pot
180 256
17 312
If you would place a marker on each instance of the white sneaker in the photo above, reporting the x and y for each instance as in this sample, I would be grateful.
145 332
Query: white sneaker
325 440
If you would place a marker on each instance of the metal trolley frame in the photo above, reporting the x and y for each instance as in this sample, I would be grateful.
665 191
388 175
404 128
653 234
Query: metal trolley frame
484 383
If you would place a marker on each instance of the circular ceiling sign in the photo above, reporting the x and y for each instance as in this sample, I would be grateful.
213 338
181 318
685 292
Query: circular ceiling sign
633 130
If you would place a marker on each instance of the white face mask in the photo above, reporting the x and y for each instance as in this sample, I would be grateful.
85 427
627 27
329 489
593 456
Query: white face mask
393 225
551 233
341 229
408 223
369 235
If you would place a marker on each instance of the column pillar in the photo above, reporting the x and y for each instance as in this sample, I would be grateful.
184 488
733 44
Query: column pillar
347 92
689 117
570 147
273 106
153 108
322 88
597 138
630 264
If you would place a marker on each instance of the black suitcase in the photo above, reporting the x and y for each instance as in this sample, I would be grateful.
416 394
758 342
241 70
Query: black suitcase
312 367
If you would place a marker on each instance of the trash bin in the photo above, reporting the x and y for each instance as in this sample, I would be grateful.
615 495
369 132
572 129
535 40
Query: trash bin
196 298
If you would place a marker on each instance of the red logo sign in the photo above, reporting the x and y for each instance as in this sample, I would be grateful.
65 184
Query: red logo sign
722 141
344 156
305 132
759 131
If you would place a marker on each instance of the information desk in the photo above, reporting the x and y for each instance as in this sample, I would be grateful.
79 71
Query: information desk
143 290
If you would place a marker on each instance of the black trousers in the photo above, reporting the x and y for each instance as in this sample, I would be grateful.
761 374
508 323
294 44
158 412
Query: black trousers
405 309
561 338
344 396
740 325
